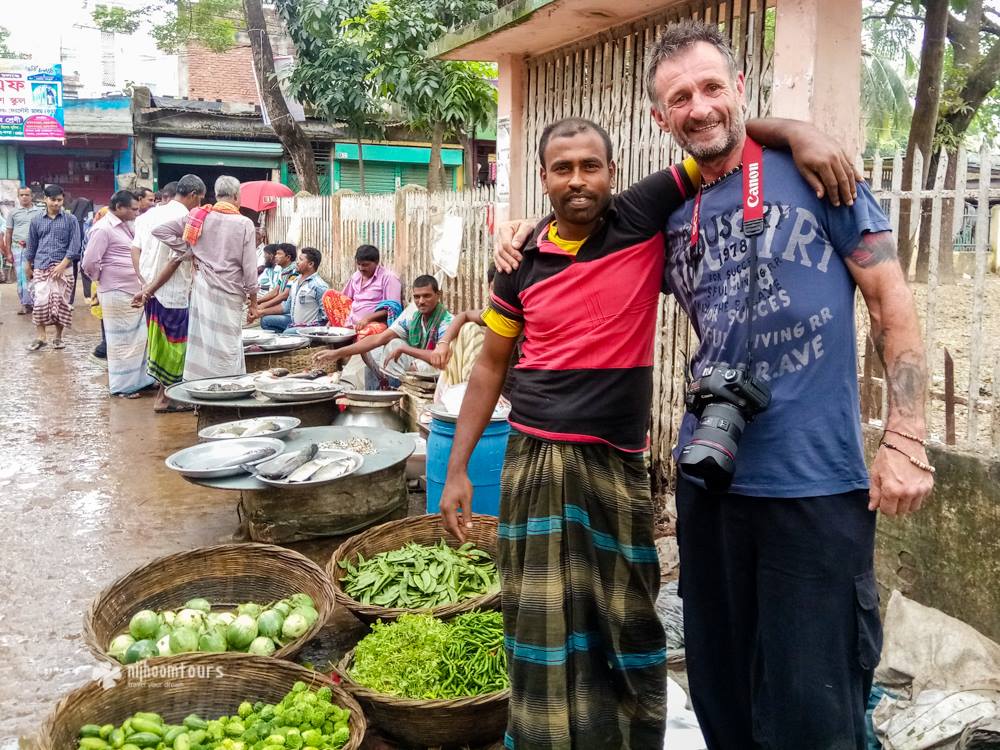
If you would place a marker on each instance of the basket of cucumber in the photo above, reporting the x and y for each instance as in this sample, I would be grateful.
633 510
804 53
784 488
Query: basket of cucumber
205 700
412 565
252 598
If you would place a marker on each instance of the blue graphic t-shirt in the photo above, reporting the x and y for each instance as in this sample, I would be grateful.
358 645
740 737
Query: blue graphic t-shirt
801 325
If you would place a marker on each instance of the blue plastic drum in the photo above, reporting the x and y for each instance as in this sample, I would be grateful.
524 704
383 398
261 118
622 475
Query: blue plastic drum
485 464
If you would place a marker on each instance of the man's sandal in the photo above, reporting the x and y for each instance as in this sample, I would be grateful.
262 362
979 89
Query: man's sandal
36 345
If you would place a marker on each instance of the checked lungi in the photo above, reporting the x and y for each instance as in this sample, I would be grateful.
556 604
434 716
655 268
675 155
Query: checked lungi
579 574
168 332
52 306
215 333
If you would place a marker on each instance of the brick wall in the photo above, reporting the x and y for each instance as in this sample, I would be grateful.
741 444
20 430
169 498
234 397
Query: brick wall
227 76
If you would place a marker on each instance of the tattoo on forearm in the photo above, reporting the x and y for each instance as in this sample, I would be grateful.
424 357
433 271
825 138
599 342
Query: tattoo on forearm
874 249
907 379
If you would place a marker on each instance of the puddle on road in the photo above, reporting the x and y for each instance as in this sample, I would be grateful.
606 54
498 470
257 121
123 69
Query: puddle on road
86 499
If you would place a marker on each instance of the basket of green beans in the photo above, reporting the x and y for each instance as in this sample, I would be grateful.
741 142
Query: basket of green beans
412 565
429 682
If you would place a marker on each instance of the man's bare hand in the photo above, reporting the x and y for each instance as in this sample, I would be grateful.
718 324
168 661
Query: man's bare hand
511 236
441 356
897 486
457 494
825 165
328 357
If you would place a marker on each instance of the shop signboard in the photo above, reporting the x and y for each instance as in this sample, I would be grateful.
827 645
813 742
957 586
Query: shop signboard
31 101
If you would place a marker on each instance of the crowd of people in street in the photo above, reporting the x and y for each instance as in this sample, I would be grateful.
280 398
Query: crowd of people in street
175 280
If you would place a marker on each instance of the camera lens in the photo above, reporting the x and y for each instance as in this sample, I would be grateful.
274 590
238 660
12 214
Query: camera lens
711 453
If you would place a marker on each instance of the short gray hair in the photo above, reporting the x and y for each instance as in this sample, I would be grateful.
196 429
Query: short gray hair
227 186
679 37
190 184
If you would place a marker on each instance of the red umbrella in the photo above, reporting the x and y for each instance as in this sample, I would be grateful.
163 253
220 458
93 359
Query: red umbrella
262 194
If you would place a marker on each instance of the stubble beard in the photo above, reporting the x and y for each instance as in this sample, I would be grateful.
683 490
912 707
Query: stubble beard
711 151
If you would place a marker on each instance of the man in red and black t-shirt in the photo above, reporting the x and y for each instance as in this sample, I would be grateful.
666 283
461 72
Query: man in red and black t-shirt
579 570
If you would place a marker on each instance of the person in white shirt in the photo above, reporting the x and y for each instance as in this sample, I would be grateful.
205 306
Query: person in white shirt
166 288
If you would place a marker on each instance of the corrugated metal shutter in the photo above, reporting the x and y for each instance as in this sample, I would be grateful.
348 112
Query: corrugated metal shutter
414 174
380 177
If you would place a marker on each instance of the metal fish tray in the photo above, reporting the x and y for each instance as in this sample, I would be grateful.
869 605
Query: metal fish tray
198 461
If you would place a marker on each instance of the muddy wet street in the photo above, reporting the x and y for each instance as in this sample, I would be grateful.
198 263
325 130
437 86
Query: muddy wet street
86 498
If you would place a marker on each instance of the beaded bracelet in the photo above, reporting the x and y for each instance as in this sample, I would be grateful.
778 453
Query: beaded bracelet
907 435
915 461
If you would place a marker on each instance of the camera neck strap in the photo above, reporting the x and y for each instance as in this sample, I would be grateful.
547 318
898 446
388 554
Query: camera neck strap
752 225
753 193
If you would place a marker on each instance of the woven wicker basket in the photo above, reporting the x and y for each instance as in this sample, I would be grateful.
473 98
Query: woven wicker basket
226 575
430 723
293 361
210 685
393 535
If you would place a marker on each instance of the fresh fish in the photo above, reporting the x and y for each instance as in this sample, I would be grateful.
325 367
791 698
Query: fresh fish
247 457
304 472
260 428
337 468
286 463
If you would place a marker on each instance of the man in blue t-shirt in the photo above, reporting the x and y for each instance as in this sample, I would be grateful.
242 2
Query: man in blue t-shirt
782 629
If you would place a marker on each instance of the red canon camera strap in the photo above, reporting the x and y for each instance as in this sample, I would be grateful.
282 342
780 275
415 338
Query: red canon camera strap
753 193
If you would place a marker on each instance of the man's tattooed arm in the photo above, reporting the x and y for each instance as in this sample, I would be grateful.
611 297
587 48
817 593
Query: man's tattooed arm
895 328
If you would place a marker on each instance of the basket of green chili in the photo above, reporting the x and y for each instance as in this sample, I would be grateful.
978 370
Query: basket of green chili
432 683
412 565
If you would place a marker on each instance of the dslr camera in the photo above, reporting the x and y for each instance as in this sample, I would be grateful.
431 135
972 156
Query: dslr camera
724 399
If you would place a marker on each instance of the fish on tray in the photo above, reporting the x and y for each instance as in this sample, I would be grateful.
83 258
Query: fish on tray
308 374
247 457
261 428
322 469
282 466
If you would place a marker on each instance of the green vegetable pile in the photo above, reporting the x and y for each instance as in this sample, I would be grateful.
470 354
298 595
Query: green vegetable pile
419 576
420 656
303 720
250 628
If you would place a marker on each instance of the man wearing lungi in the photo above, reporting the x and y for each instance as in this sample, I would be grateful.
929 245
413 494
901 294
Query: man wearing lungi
53 246
18 225
166 292
220 242
586 651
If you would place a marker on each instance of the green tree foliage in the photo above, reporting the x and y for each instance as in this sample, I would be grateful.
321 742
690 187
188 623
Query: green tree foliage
6 51
359 62
214 24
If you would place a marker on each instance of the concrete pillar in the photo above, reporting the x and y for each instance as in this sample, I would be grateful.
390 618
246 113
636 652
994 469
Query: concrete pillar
817 66
510 138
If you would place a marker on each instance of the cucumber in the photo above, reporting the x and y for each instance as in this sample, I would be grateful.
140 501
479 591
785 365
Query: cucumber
145 739
130 746
106 731
92 743
148 716
116 738
172 734
183 742
90 730
198 736
142 725
195 722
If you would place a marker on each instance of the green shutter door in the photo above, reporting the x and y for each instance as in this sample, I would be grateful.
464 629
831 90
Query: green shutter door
414 174
380 177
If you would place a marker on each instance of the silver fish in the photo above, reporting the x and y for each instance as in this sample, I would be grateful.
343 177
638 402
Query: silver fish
338 467
286 463
307 470
260 428
243 458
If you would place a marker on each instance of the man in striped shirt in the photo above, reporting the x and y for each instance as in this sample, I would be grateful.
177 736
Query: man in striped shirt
580 575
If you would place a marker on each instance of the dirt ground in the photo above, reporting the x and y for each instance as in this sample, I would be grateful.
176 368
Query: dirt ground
953 319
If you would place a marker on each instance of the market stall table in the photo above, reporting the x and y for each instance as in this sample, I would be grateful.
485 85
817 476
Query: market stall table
374 493
313 412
